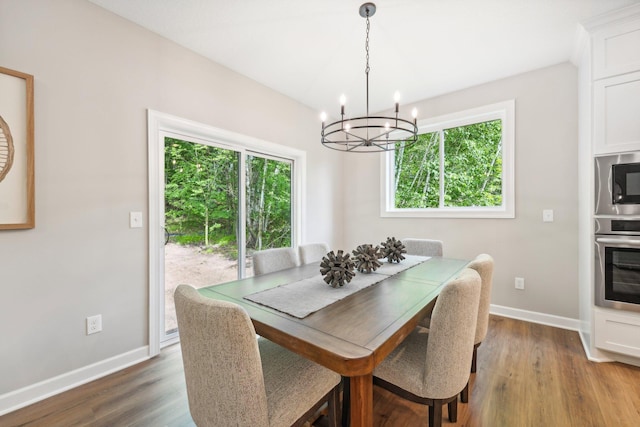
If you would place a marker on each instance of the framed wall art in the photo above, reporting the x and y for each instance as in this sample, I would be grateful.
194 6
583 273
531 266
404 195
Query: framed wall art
17 187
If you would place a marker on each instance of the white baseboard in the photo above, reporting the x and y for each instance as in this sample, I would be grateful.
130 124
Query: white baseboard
20 398
535 317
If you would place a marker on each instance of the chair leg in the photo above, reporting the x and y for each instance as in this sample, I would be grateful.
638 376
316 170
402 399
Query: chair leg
464 394
435 413
346 398
453 410
333 406
474 360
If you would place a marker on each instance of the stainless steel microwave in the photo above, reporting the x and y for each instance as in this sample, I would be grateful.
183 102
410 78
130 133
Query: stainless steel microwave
617 184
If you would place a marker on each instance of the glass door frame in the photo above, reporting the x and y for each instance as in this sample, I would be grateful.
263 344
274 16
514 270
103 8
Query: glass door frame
161 125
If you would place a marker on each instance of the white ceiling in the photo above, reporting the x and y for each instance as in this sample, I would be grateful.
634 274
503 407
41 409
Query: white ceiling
313 51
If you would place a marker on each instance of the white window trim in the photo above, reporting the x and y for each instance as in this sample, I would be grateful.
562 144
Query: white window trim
160 125
502 110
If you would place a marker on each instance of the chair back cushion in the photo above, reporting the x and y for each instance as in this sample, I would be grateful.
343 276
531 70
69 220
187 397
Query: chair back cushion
312 252
450 345
483 264
225 383
270 260
422 247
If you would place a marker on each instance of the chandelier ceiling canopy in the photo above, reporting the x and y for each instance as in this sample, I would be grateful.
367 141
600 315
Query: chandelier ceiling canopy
368 134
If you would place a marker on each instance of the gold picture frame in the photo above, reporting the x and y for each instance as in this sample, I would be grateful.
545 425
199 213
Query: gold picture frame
17 186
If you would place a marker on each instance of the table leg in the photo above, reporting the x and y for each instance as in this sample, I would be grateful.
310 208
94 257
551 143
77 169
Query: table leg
361 389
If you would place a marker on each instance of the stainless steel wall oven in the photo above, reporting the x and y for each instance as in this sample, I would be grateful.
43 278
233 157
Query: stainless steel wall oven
617 263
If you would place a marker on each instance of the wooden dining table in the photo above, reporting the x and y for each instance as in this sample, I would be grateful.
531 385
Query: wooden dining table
353 335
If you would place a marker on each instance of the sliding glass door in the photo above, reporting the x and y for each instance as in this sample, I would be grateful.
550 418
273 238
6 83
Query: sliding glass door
215 197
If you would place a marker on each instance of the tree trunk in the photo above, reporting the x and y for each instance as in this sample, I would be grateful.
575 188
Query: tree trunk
261 205
398 162
493 162
206 226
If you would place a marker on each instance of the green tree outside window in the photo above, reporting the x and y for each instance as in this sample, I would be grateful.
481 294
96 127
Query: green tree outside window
472 165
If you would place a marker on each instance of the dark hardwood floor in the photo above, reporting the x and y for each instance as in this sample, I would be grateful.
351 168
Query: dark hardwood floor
528 375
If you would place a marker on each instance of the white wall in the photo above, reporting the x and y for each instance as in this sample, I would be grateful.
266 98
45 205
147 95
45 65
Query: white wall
545 254
95 76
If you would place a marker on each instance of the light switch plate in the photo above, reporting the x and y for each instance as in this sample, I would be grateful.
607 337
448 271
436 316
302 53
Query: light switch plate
135 219
547 215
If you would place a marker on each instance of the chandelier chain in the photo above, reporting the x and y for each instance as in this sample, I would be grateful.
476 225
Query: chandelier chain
366 44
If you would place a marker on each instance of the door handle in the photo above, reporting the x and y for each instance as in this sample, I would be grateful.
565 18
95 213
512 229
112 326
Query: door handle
631 242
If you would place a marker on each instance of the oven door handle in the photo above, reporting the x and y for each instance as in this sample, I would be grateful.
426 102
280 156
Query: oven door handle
632 242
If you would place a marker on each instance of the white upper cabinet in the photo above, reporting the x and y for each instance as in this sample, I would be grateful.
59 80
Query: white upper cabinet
616 113
616 85
616 50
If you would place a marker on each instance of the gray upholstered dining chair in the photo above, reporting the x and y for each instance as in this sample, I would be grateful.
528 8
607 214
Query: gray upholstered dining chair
423 247
312 252
269 260
433 368
235 379
483 264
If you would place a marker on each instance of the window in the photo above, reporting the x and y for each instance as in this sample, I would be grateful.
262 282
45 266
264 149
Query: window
461 166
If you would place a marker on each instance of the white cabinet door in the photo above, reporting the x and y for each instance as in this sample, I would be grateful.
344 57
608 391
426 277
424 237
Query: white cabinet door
616 120
617 332
616 50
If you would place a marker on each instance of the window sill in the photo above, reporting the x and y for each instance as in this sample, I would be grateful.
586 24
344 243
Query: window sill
479 213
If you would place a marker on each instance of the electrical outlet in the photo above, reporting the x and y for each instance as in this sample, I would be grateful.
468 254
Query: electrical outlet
520 283
94 324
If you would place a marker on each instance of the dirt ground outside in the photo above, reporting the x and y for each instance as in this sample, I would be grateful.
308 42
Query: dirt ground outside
192 265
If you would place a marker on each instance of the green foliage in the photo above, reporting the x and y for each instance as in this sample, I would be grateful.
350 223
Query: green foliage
268 203
189 239
417 173
202 197
472 168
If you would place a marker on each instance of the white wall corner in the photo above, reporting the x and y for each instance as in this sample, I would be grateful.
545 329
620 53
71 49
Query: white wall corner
585 338
580 45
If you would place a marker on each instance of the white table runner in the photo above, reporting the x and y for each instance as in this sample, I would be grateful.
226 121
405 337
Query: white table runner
306 296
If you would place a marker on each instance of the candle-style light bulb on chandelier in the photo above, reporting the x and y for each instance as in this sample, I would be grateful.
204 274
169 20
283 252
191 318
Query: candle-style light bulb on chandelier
368 133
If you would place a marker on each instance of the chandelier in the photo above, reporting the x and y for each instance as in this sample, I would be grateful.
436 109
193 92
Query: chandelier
368 133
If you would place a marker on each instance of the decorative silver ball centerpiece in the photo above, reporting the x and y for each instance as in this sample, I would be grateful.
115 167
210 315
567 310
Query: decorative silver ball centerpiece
393 249
367 258
337 269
